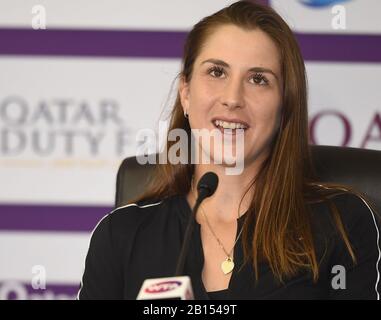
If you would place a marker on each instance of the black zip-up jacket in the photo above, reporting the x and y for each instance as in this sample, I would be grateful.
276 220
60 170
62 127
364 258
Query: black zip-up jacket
142 241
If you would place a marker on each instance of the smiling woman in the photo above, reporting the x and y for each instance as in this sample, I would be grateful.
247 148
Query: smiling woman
274 230
236 84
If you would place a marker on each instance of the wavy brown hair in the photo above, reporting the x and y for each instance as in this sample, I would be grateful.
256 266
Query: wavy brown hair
278 216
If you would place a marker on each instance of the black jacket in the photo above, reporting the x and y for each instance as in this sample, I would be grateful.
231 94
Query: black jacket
142 241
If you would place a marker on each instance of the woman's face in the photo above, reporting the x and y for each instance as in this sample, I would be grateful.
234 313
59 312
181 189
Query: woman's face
236 79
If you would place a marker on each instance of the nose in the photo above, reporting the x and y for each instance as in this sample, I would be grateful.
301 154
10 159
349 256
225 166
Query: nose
232 96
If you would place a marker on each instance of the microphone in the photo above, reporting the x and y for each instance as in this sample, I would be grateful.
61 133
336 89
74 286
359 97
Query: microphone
207 185
179 287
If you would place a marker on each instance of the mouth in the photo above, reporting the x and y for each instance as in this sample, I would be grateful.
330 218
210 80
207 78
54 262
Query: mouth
229 126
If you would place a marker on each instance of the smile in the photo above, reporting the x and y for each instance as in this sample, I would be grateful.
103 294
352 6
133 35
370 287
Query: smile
222 124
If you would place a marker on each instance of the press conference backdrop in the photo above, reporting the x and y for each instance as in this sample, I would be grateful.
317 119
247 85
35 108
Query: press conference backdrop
74 95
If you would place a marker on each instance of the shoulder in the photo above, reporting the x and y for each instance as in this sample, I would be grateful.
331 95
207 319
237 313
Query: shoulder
356 212
127 219
138 211
353 209
360 222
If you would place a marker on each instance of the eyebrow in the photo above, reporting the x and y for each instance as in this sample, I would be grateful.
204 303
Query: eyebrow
254 69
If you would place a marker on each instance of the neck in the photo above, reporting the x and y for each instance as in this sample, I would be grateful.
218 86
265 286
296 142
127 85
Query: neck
225 205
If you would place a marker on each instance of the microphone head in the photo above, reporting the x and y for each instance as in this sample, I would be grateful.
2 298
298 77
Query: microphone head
207 184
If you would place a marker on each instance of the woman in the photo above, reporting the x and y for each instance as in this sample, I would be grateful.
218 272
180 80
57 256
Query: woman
271 232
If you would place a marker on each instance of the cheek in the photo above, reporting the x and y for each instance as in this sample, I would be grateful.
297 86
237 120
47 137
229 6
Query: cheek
201 102
266 118
267 108
202 97
272 115
206 86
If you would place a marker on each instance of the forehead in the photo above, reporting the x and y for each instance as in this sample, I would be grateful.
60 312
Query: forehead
241 48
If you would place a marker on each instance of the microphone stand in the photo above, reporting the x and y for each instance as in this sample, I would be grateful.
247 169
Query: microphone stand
187 237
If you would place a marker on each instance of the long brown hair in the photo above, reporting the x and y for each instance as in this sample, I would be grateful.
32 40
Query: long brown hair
278 216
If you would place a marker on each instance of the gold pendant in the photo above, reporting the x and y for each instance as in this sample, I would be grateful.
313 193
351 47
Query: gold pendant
227 266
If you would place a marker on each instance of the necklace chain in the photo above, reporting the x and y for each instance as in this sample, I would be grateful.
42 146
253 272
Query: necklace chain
229 255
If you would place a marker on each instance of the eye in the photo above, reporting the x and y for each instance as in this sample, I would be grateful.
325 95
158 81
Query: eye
216 71
260 79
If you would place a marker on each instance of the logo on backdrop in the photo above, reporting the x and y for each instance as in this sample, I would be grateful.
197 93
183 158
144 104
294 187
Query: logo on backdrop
368 137
61 129
321 3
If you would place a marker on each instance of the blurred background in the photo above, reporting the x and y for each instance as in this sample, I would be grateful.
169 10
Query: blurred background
79 78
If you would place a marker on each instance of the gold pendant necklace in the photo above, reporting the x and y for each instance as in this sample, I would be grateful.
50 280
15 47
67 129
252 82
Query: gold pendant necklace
227 265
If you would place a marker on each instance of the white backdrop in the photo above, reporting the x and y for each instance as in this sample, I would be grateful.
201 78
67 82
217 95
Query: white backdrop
69 114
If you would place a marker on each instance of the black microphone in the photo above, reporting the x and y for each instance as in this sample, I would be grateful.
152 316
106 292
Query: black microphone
180 287
207 185
205 188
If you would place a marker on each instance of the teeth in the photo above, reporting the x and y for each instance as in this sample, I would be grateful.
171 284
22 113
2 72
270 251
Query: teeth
229 125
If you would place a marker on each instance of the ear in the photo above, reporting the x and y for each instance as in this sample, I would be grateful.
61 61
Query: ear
184 94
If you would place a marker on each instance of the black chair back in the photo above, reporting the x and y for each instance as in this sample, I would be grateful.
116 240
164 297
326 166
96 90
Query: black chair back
358 168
